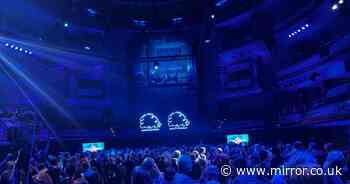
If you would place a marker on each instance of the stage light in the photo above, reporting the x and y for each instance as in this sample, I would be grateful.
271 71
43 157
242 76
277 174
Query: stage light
340 1
20 49
16 48
207 41
335 7
212 16
220 3
30 52
156 65
177 19
26 51
299 30
6 44
66 24
91 11
12 46
140 22
87 48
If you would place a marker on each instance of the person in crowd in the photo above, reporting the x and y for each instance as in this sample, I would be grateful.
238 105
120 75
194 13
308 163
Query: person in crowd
184 175
180 165
210 175
146 173
42 177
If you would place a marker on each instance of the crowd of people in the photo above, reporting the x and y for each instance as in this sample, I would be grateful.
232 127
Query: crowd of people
178 165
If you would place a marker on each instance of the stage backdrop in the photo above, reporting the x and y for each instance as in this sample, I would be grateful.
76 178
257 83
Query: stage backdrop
164 76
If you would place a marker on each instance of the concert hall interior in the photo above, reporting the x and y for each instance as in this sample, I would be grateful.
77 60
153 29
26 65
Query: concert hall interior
173 91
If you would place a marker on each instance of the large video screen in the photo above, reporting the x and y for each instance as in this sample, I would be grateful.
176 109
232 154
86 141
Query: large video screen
93 147
237 139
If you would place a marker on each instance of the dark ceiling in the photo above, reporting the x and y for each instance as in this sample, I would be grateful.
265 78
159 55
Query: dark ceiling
156 13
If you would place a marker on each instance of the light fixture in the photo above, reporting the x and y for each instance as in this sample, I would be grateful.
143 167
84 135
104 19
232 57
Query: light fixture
177 19
340 1
220 3
6 44
91 11
140 22
66 24
156 66
212 16
298 30
207 41
335 7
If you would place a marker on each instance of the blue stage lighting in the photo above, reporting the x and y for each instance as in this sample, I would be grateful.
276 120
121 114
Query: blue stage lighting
289 36
91 11
335 7
303 28
12 46
220 3
207 41
299 30
25 51
306 25
7 44
30 52
340 1
212 16
20 49
140 22
177 19
16 48
156 66
66 24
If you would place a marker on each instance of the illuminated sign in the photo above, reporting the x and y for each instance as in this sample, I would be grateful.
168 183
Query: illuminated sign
178 121
149 122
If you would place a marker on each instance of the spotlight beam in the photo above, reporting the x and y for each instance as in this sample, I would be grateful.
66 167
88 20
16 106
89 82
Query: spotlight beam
36 109
60 56
37 88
